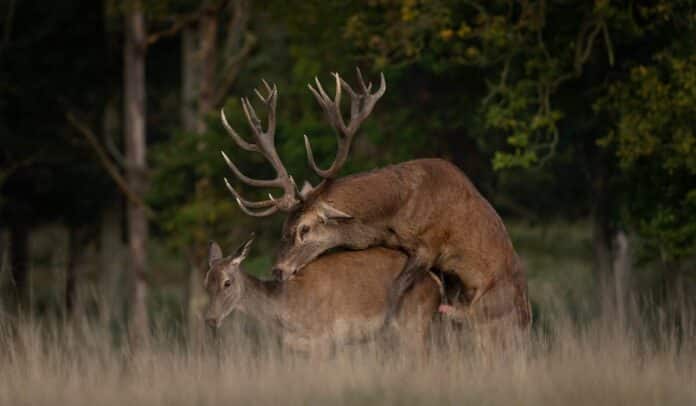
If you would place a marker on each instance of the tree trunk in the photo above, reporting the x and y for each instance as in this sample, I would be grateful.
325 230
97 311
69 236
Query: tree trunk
19 266
602 231
70 271
622 272
4 268
191 75
200 61
601 244
135 48
612 251
207 37
111 265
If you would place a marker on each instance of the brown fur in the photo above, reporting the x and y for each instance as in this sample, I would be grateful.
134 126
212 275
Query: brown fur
427 208
339 298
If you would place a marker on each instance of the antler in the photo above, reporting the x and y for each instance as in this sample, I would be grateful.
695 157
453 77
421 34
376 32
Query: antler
361 105
264 143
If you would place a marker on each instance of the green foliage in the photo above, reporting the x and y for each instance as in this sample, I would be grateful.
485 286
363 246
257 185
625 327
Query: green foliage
655 109
545 64
188 192
540 103
655 143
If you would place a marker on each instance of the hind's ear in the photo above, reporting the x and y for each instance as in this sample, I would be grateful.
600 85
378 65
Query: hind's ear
243 250
214 252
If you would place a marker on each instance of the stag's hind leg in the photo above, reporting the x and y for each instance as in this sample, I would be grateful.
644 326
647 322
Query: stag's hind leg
500 318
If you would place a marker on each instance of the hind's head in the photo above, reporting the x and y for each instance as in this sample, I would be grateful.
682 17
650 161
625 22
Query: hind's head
223 281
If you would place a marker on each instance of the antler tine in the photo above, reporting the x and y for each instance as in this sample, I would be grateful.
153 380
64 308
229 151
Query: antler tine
362 81
250 114
337 97
268 88
366 89
312 162
368 103
354 100
237 139
258 94
332 108
324 96
248 203
249 181
361 106
382 86
262 213
272 102
264 144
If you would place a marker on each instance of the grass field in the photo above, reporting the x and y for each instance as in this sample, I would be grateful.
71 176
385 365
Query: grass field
565 364
579 353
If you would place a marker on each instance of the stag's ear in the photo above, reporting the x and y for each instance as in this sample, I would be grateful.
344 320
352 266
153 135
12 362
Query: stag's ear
214 252
328 212
307 188
243 250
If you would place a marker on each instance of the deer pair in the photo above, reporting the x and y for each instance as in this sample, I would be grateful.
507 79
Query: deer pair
426 214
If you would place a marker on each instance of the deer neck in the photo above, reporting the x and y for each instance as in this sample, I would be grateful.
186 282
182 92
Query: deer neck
261 299
371 197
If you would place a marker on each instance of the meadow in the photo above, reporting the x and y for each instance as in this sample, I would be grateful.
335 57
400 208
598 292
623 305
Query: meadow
574 119
579 352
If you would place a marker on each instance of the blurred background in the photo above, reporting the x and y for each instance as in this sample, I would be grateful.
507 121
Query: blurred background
576 119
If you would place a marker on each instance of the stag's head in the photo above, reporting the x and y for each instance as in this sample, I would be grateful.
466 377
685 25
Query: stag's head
314 225
223 282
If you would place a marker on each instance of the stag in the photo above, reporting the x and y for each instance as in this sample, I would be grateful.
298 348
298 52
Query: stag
426 208
338 299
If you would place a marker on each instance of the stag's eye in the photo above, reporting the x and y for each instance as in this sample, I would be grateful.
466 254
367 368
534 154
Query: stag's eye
304 229
228 283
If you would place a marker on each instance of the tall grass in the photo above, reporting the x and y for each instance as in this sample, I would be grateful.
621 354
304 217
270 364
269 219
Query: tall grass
649 358
580 352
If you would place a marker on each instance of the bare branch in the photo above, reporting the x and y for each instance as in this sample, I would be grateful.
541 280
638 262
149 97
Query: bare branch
183 21
108 165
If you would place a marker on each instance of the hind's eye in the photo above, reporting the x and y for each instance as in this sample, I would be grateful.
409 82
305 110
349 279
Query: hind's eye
303 231
228 283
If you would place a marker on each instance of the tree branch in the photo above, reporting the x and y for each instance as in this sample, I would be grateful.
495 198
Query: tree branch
8 25
180 23
108 165
232 69
183 21
8 171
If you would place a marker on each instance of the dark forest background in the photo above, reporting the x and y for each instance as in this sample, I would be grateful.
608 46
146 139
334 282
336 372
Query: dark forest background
576 119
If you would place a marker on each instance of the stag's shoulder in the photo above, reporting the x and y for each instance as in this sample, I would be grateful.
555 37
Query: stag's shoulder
400 179
430 171
430 164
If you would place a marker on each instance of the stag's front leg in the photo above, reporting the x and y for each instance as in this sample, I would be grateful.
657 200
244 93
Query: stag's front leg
415 267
